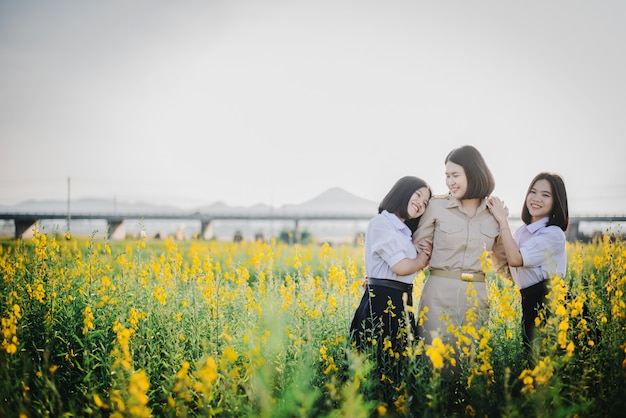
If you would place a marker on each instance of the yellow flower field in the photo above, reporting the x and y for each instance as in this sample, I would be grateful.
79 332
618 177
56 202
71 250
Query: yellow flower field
255 329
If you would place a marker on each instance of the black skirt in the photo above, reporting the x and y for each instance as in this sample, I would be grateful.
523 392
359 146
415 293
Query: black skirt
381 314
533 298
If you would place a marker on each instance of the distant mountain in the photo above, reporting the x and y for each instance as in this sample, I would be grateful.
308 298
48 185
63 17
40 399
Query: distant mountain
221 207
334 200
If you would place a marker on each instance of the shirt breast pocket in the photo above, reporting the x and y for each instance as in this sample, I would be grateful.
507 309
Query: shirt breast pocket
488 234
449 236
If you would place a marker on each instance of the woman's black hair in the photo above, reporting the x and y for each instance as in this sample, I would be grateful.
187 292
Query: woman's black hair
480 181
559 215
397 200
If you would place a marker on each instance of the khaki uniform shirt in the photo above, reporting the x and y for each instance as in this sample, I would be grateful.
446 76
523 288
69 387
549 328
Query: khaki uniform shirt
459 240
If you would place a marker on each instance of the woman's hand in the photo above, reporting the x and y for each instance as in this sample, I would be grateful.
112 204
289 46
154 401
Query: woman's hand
499 210
425 246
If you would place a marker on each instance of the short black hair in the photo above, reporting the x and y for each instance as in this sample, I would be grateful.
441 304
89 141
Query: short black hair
480 181
559 215
397 200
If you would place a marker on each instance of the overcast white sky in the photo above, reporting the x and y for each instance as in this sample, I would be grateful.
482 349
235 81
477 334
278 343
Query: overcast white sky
192 102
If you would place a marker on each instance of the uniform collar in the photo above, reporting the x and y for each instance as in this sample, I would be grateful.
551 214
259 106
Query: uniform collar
537 225
396 222
453 202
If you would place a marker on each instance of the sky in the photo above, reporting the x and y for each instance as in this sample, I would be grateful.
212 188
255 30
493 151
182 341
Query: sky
189 103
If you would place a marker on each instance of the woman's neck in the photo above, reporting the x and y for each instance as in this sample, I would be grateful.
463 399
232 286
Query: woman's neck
470 206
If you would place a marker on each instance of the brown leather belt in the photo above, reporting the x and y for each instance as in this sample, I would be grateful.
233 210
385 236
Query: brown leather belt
466 277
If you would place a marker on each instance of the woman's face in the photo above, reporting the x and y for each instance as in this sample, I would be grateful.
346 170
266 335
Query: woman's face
418 203
539 200
456 180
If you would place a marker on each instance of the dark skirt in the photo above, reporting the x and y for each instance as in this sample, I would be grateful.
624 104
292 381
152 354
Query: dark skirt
533 298
381 314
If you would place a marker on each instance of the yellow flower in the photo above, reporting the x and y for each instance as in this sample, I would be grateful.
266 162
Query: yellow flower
527 379
87 320
435 353
230 354
11 348
98 402
137 388
207 375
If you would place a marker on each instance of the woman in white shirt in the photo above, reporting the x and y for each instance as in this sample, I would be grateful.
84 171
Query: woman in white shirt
391 264
537 251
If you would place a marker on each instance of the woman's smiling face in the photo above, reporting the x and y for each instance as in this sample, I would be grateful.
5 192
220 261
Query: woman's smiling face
456 180
418 202
539 200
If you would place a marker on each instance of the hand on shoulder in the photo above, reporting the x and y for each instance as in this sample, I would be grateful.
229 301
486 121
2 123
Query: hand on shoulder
497 207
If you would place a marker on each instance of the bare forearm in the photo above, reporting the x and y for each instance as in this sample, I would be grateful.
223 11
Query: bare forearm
513 254
501 214
408 266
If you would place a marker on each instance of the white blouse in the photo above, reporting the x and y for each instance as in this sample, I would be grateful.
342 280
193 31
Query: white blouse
387 241
543 253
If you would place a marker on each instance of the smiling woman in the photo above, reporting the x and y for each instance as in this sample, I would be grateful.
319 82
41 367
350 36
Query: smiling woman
384 318
537 252
461 228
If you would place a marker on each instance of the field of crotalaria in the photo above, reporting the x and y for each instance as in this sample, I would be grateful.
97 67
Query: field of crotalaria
204 328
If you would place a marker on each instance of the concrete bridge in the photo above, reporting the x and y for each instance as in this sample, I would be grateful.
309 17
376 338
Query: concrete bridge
115 221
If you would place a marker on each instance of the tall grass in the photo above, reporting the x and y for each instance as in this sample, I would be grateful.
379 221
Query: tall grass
195 328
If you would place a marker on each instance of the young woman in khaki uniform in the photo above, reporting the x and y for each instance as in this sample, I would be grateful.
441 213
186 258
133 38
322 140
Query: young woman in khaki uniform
460 227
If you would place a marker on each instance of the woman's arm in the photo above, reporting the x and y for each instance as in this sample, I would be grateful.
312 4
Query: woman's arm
501 213
408 266
425 229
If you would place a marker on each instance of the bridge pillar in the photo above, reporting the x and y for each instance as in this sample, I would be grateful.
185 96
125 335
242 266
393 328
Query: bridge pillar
24 227
206 230
117 229
296 232
572 231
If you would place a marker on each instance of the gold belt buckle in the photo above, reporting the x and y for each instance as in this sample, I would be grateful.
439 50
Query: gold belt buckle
467 277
